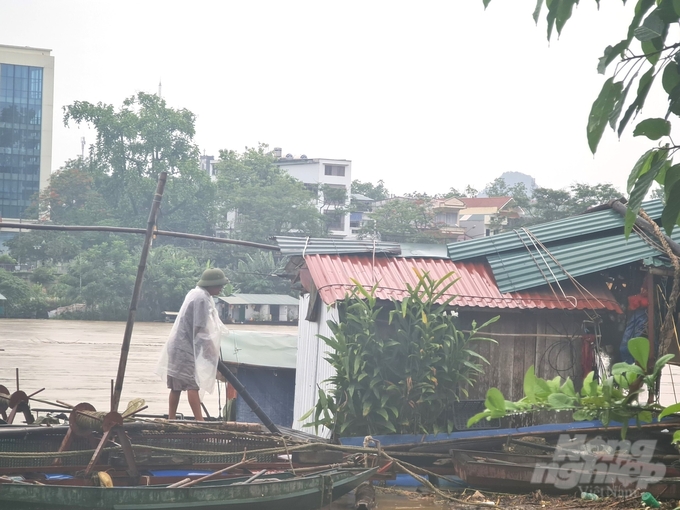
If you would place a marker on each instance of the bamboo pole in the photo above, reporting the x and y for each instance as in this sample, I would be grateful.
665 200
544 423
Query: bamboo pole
125 348
126 230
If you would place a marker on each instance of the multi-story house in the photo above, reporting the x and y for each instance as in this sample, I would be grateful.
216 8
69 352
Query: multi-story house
331 180
487 216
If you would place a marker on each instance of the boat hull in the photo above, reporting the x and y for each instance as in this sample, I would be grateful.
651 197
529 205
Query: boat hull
307 493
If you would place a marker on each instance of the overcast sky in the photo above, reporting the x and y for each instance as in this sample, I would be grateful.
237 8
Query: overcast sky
424 95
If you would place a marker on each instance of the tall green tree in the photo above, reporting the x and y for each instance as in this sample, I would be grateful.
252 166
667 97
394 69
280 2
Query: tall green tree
403 219
102 278
24 301
646 58
256 274
258 200
375 191
134 144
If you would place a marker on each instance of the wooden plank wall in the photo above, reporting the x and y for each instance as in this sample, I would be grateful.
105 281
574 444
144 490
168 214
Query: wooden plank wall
512 356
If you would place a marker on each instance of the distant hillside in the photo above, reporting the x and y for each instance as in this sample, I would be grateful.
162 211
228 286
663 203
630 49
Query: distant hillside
512 178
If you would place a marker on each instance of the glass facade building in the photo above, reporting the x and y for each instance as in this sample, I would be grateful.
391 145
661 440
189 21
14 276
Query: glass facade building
21 101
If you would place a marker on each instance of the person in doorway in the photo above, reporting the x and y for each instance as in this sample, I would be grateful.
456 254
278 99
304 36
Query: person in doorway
189 359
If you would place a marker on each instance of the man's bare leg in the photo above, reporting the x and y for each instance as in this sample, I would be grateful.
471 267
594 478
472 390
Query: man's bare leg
173 402
195 404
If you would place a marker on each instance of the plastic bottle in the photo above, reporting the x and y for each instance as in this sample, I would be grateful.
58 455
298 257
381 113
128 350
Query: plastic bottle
650 500
590 496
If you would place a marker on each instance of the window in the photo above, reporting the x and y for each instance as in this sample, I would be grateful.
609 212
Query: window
21 91
337 170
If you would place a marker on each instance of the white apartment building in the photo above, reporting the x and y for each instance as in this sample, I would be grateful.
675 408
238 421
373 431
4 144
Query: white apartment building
334 176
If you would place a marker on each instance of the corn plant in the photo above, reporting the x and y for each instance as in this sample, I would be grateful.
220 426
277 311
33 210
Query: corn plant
399 365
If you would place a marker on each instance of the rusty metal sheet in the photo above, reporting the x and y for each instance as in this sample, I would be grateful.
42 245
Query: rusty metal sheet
334 275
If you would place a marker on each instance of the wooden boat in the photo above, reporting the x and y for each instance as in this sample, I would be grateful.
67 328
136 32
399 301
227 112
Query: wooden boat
519 473
279 491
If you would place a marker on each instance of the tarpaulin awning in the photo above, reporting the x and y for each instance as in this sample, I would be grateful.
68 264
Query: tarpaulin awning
261 349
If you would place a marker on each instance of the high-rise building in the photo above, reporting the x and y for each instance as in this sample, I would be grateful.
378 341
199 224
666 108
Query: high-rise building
26 111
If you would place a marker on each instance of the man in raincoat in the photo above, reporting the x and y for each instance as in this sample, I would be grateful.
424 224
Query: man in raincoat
189 359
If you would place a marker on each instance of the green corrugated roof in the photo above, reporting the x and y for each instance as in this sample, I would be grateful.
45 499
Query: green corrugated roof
260 299
521 269
581 245
560 230
316 245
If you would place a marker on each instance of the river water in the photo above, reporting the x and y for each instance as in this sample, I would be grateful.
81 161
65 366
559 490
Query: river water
75 362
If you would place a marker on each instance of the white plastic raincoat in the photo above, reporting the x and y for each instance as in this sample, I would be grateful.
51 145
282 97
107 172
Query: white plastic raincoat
193 348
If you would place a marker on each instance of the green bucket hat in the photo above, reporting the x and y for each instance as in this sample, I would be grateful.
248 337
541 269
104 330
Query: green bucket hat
212 278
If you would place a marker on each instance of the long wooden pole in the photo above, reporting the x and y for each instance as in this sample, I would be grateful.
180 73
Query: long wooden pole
621 208
125 348
126 230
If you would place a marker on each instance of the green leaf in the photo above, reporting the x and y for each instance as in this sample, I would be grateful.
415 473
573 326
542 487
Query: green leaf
641 167
652 50
652 28
644 182
661 362
671 77
486 3
671 211
639 349
673 409
477 417
624 368
537 10
495 400
560 401
644 85
653 128
564 10
530 385
645 417
616 112
367 408
601 110
582 415
676 437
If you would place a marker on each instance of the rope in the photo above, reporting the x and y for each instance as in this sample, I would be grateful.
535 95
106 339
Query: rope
667 324
534 240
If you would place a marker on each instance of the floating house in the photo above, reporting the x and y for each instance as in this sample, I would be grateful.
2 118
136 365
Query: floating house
564 292
269 308
265 364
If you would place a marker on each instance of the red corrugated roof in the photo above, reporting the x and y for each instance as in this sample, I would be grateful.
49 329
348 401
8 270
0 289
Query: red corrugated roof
476 287
485 201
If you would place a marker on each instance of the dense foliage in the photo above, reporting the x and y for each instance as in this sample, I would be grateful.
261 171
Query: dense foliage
614 398
398 367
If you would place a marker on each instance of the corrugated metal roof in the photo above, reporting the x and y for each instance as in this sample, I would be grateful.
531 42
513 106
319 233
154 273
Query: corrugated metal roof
524 269
498 202
424 250
259 299
312 245
476 287
574 226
